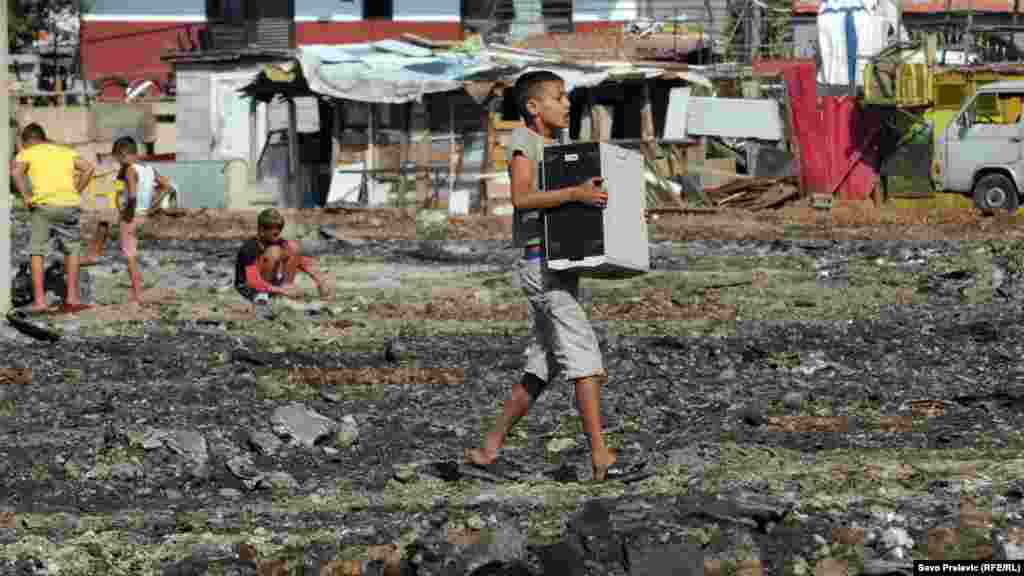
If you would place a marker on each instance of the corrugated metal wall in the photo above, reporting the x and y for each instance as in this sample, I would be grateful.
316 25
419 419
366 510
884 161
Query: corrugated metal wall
274 33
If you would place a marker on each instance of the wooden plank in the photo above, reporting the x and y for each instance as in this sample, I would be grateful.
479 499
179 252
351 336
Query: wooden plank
681 210
454 155
487 165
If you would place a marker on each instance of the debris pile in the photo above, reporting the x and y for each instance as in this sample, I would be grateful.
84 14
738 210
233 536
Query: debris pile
753 193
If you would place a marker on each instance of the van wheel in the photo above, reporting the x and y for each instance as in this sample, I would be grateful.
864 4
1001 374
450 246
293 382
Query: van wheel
995 192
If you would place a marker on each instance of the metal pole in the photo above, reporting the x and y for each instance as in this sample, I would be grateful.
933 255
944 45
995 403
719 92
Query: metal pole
5 182
293 200
254 140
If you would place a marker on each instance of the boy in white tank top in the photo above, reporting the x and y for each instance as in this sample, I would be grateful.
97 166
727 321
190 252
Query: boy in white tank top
142 190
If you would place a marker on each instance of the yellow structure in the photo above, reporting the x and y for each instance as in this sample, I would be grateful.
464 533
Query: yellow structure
937 92
935 95
102 191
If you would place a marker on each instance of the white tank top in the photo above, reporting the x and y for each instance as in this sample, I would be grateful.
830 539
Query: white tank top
146 187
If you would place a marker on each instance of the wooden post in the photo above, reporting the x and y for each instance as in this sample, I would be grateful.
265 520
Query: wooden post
371 139
486 166
601 120
752 89
293 156
404 156
420 128
335 135
453 156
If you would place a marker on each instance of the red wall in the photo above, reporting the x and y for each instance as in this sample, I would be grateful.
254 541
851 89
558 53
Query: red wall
132 50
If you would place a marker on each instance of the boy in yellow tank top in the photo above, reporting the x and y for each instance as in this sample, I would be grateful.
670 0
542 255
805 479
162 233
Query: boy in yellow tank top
58 177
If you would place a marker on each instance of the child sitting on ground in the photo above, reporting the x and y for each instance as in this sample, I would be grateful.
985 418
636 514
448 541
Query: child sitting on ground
268 264
142 191
563 339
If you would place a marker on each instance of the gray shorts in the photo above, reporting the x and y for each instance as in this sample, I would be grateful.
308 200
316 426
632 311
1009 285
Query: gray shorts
562 340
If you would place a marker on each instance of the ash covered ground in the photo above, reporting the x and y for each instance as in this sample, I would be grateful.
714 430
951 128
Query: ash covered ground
808 403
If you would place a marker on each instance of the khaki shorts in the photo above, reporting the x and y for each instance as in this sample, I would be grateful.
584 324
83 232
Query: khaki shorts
562 340
62 222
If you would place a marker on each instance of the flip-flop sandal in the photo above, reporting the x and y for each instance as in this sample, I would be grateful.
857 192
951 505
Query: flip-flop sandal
75 308
628 471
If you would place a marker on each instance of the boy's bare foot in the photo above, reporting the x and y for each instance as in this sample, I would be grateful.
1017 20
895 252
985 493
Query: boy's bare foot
601 463
481 456
38 309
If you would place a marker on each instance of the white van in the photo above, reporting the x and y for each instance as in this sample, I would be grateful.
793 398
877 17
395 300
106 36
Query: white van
980 152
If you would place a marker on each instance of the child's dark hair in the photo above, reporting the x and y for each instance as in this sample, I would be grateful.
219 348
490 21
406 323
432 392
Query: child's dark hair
530 85
125 145
33 133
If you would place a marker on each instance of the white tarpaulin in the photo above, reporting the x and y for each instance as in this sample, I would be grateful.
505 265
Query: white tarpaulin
362 73
395 72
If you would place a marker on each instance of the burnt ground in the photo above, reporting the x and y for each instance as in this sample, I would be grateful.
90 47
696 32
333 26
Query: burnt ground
794 404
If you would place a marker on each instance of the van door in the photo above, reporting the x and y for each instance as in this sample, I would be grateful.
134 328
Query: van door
987 133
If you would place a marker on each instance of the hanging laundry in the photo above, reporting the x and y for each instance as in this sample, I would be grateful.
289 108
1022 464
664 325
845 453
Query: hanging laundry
837 39
850 33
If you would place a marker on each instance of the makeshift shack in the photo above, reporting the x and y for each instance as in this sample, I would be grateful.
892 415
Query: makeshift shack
394 109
